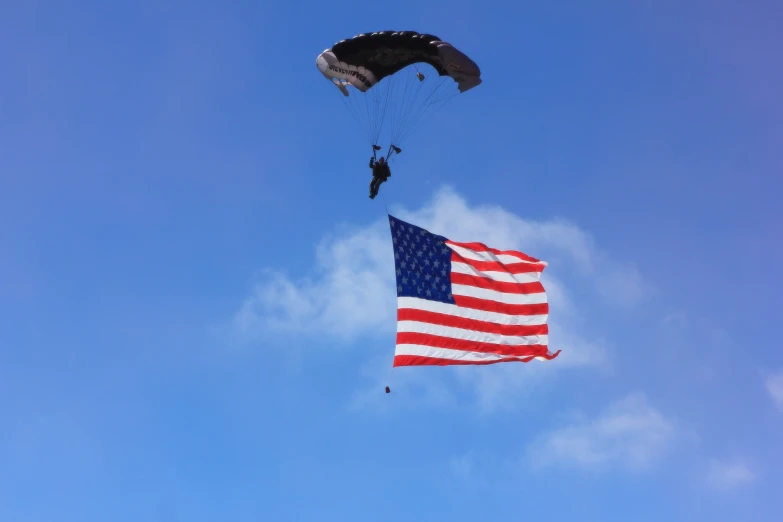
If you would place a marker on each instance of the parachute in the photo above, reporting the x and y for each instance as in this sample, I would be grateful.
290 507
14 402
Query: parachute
394 80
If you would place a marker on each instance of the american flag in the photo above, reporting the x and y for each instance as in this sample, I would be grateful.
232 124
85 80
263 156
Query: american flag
466 303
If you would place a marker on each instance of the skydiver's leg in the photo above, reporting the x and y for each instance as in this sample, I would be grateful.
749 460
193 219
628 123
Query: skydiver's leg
378 185
374 185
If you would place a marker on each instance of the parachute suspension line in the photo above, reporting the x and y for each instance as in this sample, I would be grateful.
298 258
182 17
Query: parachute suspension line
435 97
367 112
415 112
397 104
409 97
399 109
428 101
385 107
381 95
438 101
413 128
354 113
406 119
412 92
410 108
362 123
375 112
385 89
393 87
361 114
390 85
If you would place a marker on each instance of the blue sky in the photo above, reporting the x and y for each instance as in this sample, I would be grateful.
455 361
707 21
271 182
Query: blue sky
196 300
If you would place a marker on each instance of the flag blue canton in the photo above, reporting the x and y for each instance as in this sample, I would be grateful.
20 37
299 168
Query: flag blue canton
422 263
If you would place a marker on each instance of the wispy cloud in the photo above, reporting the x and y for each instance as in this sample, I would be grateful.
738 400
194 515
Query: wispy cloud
629 434
728 475
463 467
500 386
352 288
556 240
474 469
350 292
674 322
774 385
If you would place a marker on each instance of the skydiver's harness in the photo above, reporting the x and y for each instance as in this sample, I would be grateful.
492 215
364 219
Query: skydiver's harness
380 170
374 160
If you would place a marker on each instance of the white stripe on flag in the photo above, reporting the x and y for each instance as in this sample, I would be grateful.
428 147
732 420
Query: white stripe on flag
503 277
469 335
454 355
505 259
498 297
414 303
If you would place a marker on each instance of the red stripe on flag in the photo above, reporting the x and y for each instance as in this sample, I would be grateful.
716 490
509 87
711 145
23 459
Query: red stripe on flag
420 360
495 266
481 247
423 316
499 286
501 308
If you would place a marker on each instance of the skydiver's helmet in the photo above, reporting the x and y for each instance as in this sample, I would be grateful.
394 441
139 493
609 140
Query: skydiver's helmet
381 160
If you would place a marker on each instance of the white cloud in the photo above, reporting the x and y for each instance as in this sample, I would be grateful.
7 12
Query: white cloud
352 290
622 284
464 467
675 322
480 469
557 241
476 469
498 386
775 388
629 434
728 475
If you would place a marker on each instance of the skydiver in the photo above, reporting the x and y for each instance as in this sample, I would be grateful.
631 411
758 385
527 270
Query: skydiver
380 173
